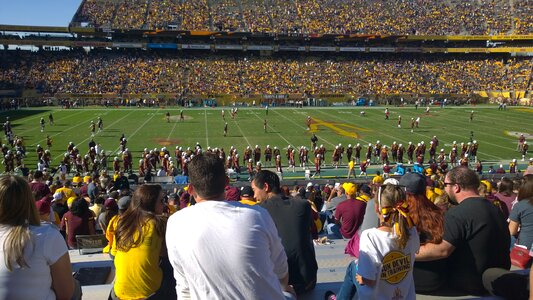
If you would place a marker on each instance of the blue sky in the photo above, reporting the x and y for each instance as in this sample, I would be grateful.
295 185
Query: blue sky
37 12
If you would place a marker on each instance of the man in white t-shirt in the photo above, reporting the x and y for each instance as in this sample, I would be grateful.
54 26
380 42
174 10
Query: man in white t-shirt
221 249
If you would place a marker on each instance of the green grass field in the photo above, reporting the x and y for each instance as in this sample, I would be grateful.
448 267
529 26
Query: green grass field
496 131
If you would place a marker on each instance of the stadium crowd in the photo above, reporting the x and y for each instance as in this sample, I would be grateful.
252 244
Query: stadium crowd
131 72
316 17
431 211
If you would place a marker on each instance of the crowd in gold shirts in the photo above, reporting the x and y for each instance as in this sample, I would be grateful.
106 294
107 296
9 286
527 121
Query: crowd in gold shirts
131 72
423 17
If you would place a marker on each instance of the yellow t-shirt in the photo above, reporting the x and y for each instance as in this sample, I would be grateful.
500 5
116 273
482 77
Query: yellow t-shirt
248 202
137 272
351 164
377 179
363 198
172 209
67 192
110 236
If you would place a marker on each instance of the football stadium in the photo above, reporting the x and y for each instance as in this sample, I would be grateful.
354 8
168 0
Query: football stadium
333 123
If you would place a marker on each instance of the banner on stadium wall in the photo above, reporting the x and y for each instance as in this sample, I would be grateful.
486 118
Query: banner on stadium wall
352 49
322 49
275 96
127 45
22 28
470 37
92 44
381 49
201 32
36 43
479 50
162 46
196 46
408 50
260 47
82 29
228 47
291 48
467 50
482 94
331 95
511 49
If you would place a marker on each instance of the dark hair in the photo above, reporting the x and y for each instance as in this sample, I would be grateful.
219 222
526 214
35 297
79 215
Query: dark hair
38 174
110 212
207 175
79 207
269 177
285 190
99 200
525 192
506 186
129 232
301 193
517 183
464 177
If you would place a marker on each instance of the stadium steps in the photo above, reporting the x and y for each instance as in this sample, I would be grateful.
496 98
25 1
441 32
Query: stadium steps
145 23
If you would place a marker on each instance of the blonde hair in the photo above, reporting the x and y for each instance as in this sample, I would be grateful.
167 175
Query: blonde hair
18 212
394 209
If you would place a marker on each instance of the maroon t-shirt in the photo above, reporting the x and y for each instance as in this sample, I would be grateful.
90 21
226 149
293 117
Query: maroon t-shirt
350 212
74 225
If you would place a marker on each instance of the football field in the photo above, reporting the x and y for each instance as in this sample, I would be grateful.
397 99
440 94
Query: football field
495 131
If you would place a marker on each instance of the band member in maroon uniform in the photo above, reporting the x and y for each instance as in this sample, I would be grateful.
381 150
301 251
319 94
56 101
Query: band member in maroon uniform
410 152
268 155
400 151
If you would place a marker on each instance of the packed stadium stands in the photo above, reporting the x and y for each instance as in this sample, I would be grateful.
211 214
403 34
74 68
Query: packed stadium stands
142 72
423 17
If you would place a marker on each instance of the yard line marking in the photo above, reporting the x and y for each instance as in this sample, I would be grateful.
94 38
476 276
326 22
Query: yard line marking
206 131
256 115
135 132
420 134
247 141
460 136
37 127
172 131
59 133
483 115
481 132
450 133
298 125
81 123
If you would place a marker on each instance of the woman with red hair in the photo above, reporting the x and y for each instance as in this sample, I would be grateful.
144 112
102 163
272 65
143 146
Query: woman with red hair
429 221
